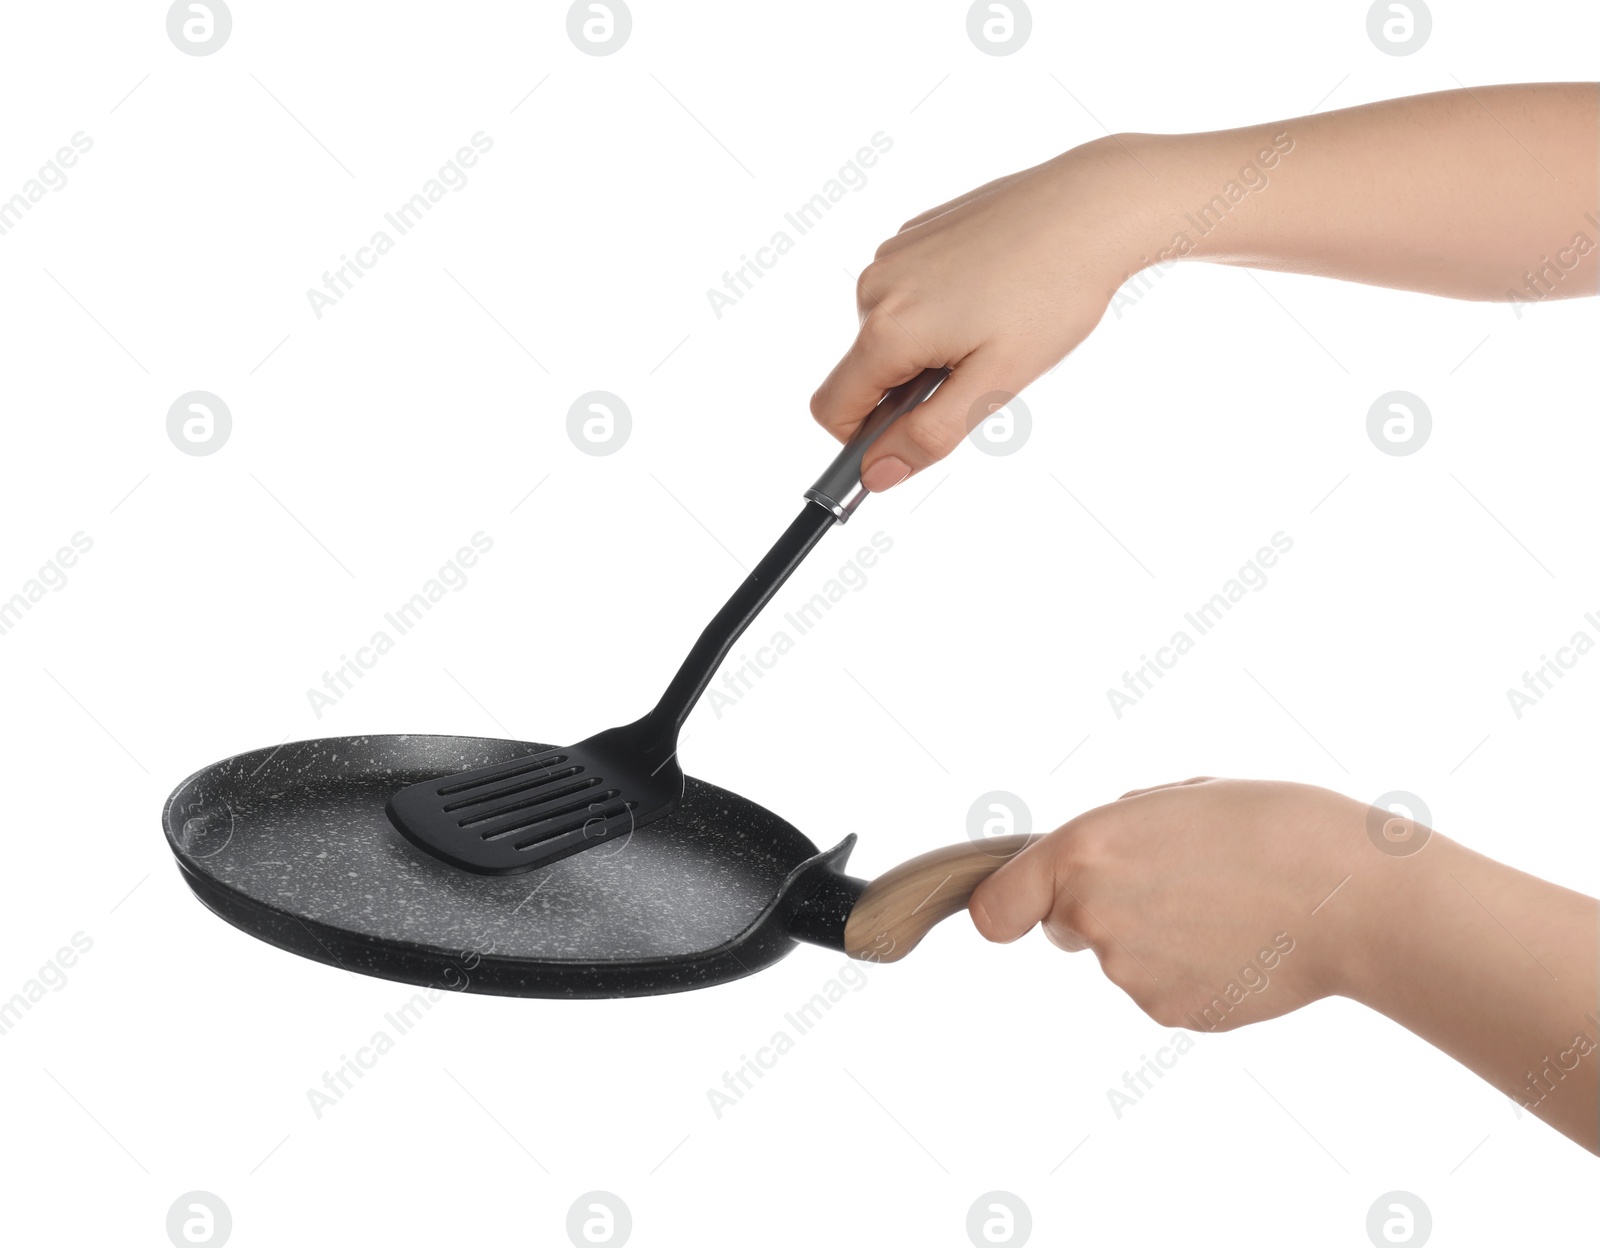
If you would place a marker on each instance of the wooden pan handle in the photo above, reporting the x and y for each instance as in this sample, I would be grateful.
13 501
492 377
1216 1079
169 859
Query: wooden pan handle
901 906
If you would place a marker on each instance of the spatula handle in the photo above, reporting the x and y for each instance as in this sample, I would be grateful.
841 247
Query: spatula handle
836 494
839 489
901 906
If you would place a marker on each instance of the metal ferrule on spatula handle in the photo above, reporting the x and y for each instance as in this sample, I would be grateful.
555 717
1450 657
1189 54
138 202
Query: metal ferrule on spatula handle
839 489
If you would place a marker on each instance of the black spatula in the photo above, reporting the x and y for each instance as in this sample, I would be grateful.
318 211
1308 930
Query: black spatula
516 816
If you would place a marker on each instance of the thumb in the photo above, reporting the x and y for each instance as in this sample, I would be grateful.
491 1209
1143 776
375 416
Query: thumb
977 387
1018 896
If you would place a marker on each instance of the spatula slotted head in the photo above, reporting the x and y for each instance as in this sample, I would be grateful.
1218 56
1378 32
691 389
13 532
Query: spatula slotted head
513 817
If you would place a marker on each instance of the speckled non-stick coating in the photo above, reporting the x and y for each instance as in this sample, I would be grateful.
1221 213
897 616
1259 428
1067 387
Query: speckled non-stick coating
292 844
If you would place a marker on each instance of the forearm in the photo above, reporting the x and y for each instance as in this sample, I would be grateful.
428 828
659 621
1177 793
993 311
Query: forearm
1486 194
1493 966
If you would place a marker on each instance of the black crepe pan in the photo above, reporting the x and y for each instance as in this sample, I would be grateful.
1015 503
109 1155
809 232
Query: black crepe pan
292 844
599 870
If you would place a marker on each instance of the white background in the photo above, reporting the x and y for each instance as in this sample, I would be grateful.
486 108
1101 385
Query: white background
1193 427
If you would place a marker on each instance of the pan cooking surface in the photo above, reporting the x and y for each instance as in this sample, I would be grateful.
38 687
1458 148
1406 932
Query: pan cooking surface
293 845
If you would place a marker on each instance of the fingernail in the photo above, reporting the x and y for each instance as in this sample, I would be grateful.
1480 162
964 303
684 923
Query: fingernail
887 473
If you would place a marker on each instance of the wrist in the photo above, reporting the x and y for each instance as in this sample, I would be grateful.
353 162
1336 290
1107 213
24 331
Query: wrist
1398 903
1373 870
1111 200
1192 196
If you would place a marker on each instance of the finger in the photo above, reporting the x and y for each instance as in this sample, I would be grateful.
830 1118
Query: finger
1175 784
1063 930
1019 895
882 356
978 386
